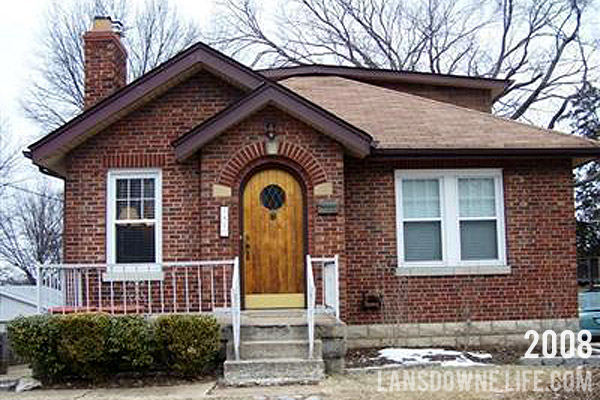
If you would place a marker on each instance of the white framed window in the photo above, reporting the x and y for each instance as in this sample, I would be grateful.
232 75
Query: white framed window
450 221
134 223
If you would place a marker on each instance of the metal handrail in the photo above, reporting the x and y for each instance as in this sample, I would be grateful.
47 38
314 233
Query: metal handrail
310 308
145 288
236 314
330 264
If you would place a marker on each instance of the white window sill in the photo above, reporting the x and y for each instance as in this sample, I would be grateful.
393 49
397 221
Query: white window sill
456 270
132 276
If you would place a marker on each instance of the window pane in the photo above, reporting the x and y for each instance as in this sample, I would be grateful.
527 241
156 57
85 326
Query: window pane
135 244
422 241
478 240
477 197
135 209
122 210
122 188
149 188
148 209
135 188
421 198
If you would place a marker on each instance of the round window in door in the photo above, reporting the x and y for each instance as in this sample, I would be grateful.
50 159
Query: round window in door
272 197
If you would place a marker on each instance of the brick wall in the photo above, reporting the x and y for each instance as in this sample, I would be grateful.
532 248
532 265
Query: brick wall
190 211
540 227
140 140
540 246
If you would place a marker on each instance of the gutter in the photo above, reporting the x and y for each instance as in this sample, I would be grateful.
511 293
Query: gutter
478 152
43 170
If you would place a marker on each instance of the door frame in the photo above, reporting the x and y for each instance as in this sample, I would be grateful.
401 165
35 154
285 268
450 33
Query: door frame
271 164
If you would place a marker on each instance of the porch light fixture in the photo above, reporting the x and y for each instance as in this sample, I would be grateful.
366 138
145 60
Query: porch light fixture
270 129
271 145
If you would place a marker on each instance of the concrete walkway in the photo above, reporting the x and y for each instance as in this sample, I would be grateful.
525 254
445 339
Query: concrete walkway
179 392
362 386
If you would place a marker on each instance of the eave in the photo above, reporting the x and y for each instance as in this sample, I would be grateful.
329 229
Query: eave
579 155
495 86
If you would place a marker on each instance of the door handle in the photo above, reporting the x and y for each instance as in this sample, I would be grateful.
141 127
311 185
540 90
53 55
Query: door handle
247 246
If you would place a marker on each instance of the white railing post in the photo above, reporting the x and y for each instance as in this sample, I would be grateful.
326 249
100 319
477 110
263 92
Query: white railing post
336 283
310 305
39 288
236 307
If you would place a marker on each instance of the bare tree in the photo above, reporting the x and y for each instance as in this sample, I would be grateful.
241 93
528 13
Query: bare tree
31 230
154 32
540 44
8 157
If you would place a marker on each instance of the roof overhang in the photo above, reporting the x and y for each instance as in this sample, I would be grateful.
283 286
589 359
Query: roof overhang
49 151
579 155
495 86
356 142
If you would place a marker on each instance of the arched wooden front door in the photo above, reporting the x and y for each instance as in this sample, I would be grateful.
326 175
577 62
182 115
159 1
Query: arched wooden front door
273 240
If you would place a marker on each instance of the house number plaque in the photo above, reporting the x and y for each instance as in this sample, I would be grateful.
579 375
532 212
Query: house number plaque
327 207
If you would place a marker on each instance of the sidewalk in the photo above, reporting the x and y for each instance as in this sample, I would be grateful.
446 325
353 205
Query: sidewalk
353 386
180 392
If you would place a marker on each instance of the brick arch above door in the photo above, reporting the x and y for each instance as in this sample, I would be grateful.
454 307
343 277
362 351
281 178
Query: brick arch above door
256 150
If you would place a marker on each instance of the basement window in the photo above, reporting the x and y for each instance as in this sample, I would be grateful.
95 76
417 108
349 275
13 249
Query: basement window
450 222
134 222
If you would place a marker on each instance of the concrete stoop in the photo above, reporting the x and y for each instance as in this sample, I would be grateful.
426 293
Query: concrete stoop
274 354
273 371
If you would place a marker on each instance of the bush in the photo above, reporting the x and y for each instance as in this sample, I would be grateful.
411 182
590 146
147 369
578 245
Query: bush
95 346
190 344
132 345
35 339
84 344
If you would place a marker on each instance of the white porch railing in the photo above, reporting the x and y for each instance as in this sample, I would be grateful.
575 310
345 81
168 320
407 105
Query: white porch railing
322 294
170 287
173 287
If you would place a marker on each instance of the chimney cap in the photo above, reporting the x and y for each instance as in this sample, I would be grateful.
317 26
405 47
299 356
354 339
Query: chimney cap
106 24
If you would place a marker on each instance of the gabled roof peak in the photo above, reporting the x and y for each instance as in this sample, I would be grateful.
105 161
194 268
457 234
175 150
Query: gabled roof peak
354 140
49 150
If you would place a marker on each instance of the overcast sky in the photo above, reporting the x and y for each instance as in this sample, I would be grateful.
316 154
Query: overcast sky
20 27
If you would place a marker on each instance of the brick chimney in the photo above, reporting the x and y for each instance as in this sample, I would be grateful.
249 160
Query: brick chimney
105 60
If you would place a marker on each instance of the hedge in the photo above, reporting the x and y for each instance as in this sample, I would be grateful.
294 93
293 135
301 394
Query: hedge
97 346
182 339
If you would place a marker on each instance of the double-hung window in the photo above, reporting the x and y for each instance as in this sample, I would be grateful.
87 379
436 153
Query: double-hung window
134 209
452 219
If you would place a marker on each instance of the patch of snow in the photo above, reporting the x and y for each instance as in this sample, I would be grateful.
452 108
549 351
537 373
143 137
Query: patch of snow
481 356
26 384
444 358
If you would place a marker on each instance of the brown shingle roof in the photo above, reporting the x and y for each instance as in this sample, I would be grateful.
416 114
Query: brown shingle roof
398 120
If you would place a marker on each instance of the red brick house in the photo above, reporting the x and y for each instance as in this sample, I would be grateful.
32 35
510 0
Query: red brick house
423 213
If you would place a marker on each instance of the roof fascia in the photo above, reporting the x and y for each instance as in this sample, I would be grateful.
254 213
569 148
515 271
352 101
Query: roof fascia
496 86
566 152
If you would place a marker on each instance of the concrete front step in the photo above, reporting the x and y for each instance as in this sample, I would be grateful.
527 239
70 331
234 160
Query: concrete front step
273 371
273 349
274 332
